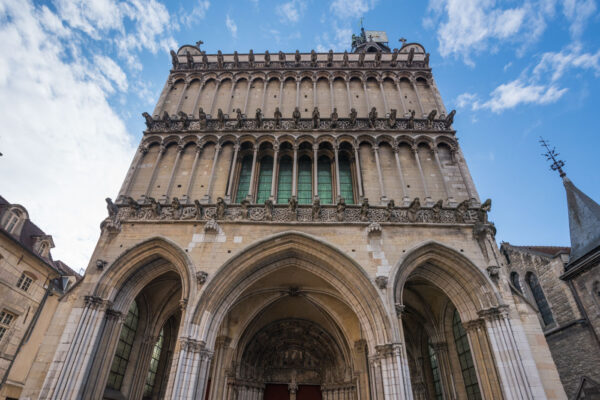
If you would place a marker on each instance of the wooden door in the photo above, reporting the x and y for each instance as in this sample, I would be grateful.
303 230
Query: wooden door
276 392
309 392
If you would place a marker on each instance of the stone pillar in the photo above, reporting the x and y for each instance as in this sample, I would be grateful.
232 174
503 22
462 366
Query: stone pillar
185 88
233 84
406 382
337 171
200 89
218 375
449 197
262 107
414 86
315 97
445 368
293 388
193 365
385 102
161 152
137 162
214 97
349 94
331 94
297 92
250 195
281 82
185 198
142 365
161 101
232 169
315 171
275 165
295 172
358 173
247 97
405 197
457 155
167 194
383 198
415 151
366 96
431 85
404 109
207 196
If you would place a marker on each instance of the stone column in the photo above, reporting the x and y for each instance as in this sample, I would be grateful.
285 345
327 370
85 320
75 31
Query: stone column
295 172
445 368
247 97
331 94
439 108
161 152
404 109
383 198
366 96
403 359
297 92
136 164
185 88
457 155
142 365
185 198
415 151
200 90
161 101
349 94
337 171
193 366
214 98
208 195
315 97
275 165
250 195
385 102
262 107
167 194
405 197
449 197
232 169
358 172
315 171
414 86
218 376
281 82
293 388
227 111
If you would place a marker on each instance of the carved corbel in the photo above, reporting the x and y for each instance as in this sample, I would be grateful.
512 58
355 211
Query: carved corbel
201 277
381 281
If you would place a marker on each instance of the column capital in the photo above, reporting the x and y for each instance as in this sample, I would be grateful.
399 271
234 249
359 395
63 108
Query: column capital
96 302
375 147
474 325
162 149
183 304
315 146
222 341
295 146
143 149
199 148
114 315
494 313
400 309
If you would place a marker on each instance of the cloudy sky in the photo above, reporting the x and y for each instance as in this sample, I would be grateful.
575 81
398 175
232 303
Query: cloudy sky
75 76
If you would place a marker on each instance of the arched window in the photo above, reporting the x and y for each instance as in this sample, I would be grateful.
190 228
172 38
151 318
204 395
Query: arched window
265 178
435 372
466 360
540 298
304 181
284 183
346 188
324 171
244 180
514 279
121 359
151 378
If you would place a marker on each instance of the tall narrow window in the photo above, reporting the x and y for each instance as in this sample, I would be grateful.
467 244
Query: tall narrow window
24 282
514 278
265 178
244 180
121 359
466 360
346 188
6 320
284 183
12 221
435 371
324 171
540 298
304 181
151 378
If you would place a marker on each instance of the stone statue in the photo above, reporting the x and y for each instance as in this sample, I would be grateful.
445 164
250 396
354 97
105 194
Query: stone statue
389 210
361 58
221 118
330 58
281 57
176 206
437 211
244 209
345 60
112 208
251 58
411 56
296 116
277 115
392 118
313 58
269 210
413 209
334 118
202 118
259 118
364 210
353 117
450 119
411 120
316 118
198 208
130 201
431 118
174 59
155 207
316 209
485 208
185 121
240 119
461 211
189 59
373 117
426 60
378 58
219 59
394 58
267 58
293 206
297 57
341 207
236 59
221 207
149 120
204 59
166 118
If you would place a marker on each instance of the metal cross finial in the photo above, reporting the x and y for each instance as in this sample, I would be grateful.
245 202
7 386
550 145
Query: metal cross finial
552 155
199 43
402 40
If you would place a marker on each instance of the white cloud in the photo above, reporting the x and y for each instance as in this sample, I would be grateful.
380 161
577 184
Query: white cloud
512 94
231 26
578 12
197 13
65 149
111 70
351 8
291 11
557 63
339 41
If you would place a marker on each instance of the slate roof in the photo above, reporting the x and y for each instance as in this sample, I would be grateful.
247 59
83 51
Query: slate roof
584 221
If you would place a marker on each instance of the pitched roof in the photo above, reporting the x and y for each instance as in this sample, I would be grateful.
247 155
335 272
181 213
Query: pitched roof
551 251
584 221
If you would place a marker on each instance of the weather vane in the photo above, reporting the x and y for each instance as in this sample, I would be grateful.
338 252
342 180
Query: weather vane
552 155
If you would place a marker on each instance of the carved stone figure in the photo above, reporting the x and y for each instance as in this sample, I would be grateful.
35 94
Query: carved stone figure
201 277
316 118
345 59
174 59
244 208
251 58
313 58
316 209
281 57
450 119
185 121
334 118
364 210
176 206
130 201
204 59
221 207
166 118
155 207
353 116
219 59
389 210
361 58
202 118
485 208
267 58
149 120
437 211
378 58
392 118
372 117
236 60
330 58
293 206
381 281
221 118
411 120
269 210
240 119
277 115
411 56
461 211
112 208
431 118
259 118
189 59
297 57
413 210
426 60
340 208
296 116
198 208
394 58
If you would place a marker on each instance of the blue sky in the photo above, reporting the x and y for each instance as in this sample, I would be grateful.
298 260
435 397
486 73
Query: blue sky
75 76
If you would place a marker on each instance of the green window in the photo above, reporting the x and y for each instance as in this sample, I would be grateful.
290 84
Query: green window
304 180
324 171
244 181
121 359
435 371
151 378
346 188
265 178
465 358
284 185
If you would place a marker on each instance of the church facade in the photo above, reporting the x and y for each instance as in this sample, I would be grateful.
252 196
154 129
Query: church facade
302 226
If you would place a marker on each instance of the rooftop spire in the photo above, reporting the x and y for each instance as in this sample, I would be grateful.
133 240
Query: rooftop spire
552 155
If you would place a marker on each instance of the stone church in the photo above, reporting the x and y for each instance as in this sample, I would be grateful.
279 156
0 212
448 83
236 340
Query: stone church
297 226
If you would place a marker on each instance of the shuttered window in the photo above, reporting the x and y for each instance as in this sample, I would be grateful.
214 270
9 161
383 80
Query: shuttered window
265 178
346 188
244 179
304 181
284 183
324 181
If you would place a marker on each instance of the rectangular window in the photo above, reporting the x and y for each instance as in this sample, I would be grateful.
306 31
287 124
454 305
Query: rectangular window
265 179
304 181
244 180
284 185
346 188
24 282
324 181
6 319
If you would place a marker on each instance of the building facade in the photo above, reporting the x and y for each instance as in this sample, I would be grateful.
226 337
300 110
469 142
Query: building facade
302 226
